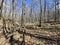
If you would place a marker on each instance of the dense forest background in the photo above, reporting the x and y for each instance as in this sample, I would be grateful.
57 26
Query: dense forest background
29 22
32 10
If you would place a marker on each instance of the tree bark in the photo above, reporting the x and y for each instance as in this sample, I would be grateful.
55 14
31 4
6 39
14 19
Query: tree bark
23 12
55 12
44 10
48 8
40 13
1 7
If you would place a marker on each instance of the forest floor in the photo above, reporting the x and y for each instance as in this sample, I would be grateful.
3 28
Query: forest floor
31 40
46 30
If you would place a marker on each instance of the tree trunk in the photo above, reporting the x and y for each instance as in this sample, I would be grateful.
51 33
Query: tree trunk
55 12
40 13
1 7
31 18
13 11
23 12
44 10
48 8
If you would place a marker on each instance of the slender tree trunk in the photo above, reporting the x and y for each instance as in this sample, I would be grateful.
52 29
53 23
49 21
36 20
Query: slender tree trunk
35 17
44 10
22 19
48 11
31 20
23 12
1 7
30 15
13 11
58 15
5 8
55 12
58 11
40 13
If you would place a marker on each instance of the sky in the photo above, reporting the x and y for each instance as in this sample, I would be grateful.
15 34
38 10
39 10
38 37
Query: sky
36 7
27 2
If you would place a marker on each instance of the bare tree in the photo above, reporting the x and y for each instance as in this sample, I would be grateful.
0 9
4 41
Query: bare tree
13 11
48 8
31 6
55 12
55 17
40 13
23 12
44 10
58 10
1 7
35 19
